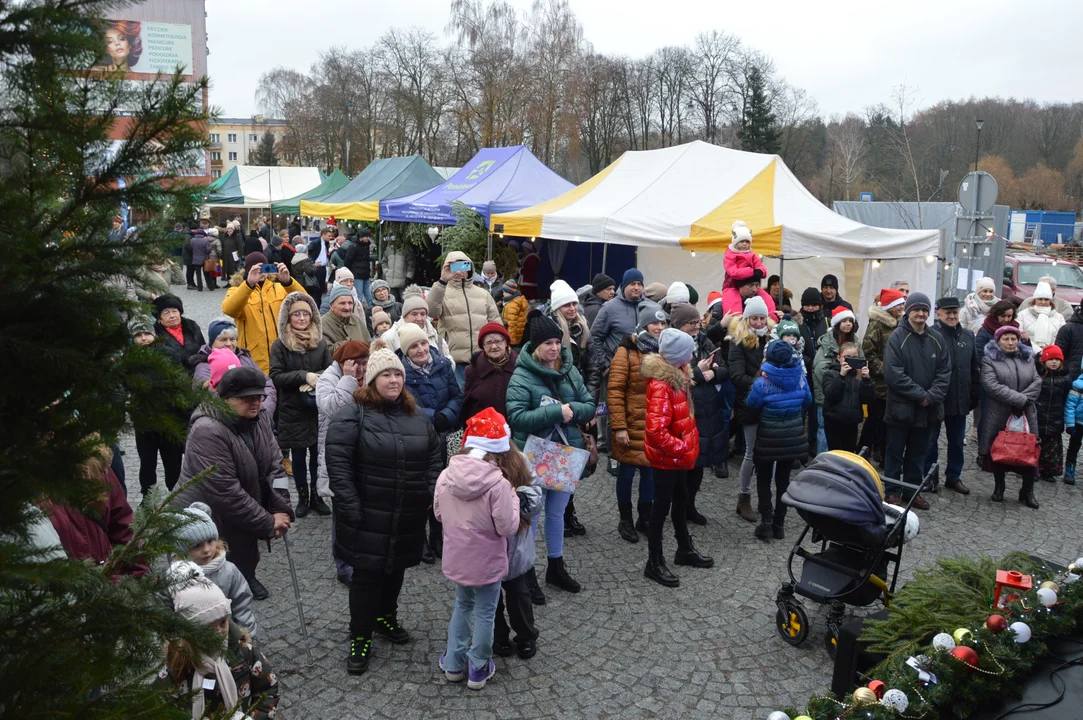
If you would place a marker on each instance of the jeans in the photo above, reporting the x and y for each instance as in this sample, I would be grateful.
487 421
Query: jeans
460 375
149 445
904 455
300 473
625 475
118 467
955 426
373 595
670 486
475 605
520 611
747 464
555 502
841 436
780 471
364 291
821 435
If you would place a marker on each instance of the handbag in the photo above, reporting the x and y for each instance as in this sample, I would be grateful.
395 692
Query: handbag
1014 447
592 448
553 465
454 440
209 266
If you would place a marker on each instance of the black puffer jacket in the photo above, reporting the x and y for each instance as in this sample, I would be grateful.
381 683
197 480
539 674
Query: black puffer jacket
357 258
844 396
917 368
1055 386
712 419
178 353
962 394
1070 340
744 368
291 361
382 471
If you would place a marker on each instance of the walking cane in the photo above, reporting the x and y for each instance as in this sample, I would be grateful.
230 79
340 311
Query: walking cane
297 595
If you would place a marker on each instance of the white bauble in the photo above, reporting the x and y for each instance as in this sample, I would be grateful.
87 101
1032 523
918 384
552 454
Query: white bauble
895 699
944 641
1021 630
1047 597
778 715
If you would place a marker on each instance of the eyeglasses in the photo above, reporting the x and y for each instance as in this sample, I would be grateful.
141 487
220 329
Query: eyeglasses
300 313
494 343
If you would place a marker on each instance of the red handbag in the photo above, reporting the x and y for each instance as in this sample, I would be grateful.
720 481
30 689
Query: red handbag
1015 448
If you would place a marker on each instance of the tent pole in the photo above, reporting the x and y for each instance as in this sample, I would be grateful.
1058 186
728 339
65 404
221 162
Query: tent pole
605 256
379 243
781 282
489 248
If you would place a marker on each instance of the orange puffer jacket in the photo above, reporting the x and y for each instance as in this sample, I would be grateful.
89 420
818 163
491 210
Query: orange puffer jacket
672 440
628 403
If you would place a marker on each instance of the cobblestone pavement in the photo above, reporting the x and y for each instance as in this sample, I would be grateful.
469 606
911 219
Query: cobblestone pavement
624 646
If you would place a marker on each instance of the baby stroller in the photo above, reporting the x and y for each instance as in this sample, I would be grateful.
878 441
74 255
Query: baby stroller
840 496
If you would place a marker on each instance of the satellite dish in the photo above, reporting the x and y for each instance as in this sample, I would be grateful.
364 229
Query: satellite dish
978 192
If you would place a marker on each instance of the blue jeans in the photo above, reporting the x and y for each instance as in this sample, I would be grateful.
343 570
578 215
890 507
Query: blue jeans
460 375
625 475
555 502
821 436
475 605
955 426
364 291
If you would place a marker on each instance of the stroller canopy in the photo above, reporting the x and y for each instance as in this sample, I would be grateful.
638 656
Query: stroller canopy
842 486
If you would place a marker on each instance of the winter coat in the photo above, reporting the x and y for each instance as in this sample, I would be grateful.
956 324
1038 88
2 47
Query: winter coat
521 552
181 354
530 383
744 367
615 321
812 329
462 310
92 534
437 393
257 683
336 332
826 354
712 415
230 580
391 306
255 311
303 271
214 248
671 440
514 317
202 374
480 511
391 339
577 337
881 325
1073 405
590 307
974 311
494 288
246 459
1051 401
487 385
200 248
398 266
962 395
830 307
293 356
232 243
1070 341
782 398
382 472
1012 386
148 282
252 244
627 399
356 258
740 266
1042 327
333 391
186 248
918 367
844 396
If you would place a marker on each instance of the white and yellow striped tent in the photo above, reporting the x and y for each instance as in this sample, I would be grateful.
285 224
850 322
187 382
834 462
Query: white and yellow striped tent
688 197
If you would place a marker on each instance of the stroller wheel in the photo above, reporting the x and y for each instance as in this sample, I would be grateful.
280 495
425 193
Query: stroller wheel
831 643
792 623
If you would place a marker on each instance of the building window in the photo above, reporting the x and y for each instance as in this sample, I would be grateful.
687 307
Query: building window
216 155
216 138
231 137
216 174
233 156
252 137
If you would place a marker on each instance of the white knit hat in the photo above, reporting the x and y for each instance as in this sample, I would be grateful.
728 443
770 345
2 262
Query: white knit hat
987 283
409 334
561 294
343 273
737 224
1043 291
677 293
382 359
195 597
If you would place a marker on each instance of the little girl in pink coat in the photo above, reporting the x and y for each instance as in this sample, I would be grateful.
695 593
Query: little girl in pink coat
741 265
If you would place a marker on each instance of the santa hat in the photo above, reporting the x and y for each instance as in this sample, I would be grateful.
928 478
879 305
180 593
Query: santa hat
713 297
487 431
890 298
842 313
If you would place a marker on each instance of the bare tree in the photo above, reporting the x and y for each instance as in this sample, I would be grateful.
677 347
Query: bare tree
848 146
711 58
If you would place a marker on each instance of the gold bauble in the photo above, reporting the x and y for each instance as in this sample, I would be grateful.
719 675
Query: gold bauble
1072 568
1050 585
961 635
864 696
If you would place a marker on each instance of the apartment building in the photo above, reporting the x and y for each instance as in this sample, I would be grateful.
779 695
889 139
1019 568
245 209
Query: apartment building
233 139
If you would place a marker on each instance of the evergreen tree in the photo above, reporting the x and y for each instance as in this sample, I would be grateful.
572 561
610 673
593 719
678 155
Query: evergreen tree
75 641
759 129
265 154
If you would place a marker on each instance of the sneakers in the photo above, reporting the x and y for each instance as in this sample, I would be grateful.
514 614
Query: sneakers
451 677
358 661
478 678
389 628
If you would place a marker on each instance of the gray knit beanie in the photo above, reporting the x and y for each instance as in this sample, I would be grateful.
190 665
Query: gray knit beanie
676 347
200 528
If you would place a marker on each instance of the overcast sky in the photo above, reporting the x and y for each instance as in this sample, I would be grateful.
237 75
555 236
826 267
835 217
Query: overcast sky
847 55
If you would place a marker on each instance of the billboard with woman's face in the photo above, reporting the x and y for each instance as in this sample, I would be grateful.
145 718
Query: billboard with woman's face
131 46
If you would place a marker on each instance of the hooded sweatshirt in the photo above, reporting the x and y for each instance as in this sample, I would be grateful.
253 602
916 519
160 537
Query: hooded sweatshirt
480 511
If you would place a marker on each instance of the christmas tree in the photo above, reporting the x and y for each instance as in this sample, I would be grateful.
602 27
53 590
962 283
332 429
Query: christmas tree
265 153
758 131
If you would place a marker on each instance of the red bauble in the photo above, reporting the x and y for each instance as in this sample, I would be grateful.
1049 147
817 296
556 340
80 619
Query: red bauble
877 687
966 654
997 623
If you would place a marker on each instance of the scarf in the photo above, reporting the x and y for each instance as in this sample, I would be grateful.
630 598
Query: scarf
224 683
991 324
647 343
425 369
502 361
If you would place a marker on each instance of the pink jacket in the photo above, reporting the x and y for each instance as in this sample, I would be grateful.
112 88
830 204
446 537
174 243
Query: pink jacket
480 511
739 266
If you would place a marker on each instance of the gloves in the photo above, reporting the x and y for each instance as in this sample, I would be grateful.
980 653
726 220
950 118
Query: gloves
441 423
757 274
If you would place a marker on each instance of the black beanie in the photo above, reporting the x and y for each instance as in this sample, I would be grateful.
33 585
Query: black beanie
812 296
542 328
164 302
601 282
829 281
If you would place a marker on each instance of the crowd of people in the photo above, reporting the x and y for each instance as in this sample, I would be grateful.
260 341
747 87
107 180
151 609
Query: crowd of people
403 412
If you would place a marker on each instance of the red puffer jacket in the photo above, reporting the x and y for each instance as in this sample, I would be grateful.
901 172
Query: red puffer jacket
672 440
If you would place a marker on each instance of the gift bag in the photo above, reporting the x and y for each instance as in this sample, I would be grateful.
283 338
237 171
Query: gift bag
1016 447
553 465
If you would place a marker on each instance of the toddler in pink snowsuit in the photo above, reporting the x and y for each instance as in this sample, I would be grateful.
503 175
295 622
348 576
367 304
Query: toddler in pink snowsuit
741 265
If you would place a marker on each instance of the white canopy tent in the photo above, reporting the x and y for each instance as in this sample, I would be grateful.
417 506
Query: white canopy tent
258 186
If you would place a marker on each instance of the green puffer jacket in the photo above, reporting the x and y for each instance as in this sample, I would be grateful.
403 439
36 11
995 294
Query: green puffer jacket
881 325
530 383
826 354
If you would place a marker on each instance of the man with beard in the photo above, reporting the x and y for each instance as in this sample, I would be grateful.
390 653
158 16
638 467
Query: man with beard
829 288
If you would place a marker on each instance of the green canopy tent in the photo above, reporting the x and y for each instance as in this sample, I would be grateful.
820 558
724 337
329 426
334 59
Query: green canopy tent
382 179
334 182
250 186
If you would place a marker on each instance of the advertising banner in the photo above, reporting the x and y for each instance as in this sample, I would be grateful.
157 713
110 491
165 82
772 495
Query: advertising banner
132 46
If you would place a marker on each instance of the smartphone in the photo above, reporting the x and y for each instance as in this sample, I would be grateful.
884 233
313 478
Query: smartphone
460 266
269 269
855 363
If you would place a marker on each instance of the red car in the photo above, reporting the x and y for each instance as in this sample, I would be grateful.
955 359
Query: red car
1021 273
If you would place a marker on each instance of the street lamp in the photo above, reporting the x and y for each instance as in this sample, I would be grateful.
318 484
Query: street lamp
977 145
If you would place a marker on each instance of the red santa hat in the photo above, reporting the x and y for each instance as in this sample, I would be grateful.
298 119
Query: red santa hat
842 313
890 298
713 297
487 431
331 222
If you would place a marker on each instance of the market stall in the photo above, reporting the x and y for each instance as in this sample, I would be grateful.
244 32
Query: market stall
383 178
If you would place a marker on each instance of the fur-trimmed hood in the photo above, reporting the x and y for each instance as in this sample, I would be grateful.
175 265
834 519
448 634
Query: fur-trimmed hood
880 315
994 353
653 366
296 341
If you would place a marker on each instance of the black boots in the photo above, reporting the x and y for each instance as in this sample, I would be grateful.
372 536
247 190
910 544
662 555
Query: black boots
572 526
302 501
998 487
688 555
722 470
656 570
627 528
389 628
317 503
643 522
557 574
764 531
358 660
777 523
1026 494
537 597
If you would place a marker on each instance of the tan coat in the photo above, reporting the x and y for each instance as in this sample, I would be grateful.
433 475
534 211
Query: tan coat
462 309
628 403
